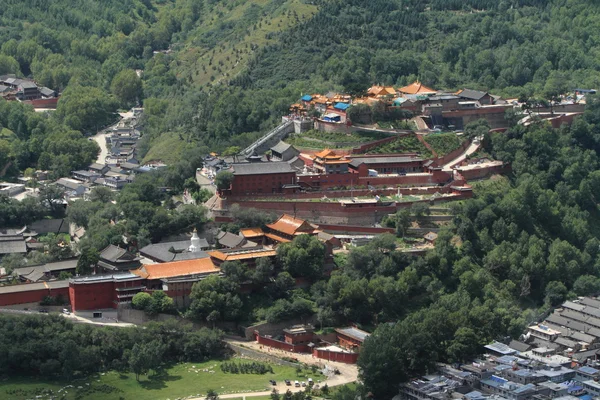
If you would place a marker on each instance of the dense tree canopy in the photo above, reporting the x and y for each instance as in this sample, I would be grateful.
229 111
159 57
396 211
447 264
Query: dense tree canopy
55 347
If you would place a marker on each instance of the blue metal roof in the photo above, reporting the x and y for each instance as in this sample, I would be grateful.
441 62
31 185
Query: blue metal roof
588 370
585 397
306 97
342 106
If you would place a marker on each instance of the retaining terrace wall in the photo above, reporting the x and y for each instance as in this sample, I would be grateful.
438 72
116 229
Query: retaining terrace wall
453 154
484 172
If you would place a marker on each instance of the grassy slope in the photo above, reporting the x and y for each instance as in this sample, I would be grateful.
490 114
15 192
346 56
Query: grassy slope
443 143
175 382
231 32
221 46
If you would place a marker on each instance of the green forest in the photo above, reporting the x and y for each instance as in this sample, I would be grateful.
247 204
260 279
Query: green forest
220 73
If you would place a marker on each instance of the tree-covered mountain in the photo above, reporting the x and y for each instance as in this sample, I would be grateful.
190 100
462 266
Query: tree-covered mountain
220 73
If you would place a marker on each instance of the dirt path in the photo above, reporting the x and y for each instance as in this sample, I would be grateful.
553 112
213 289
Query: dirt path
100 138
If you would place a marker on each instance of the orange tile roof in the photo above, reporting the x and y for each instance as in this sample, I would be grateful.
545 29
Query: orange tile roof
277 238
241 255
416 87
324 153
290 225
252 232
176 268
381 91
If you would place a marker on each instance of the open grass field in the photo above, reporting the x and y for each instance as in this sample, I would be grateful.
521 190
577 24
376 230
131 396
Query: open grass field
180 380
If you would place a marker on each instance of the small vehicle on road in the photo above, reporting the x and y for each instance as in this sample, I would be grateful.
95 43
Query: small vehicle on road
65 311
296 383
274 383
287 382
303 384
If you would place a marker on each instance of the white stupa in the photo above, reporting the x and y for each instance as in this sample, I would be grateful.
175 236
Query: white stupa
195 246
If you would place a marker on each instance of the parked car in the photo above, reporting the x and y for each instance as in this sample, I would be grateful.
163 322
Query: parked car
44 311
65 311
303 384
273 382
296 383
310 382
287 382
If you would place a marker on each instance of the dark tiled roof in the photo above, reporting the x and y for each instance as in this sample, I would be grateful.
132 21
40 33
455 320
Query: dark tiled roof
519 346
13 246
354 333
262 168
230 240
46 92
471 94
44 226
115 254
28 85
160 251
34 286
281 147
97 166
356 161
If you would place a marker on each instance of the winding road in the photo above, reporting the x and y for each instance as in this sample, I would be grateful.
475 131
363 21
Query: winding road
470 150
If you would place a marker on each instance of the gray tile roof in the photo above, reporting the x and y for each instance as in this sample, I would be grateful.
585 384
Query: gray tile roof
356 161
28 85
160 251
281 147
115 254
34 286
471 94
354 333
96 166
230 240
261 168
44 226
13 246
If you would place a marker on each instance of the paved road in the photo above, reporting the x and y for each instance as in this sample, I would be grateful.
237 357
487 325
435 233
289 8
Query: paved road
470 150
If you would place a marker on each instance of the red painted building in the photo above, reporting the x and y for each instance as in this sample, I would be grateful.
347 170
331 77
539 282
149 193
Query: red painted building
108 291
333 353
32 292
261 177
98 292
299 334
351 337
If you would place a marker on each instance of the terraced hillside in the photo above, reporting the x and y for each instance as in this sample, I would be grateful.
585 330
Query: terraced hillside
231 33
